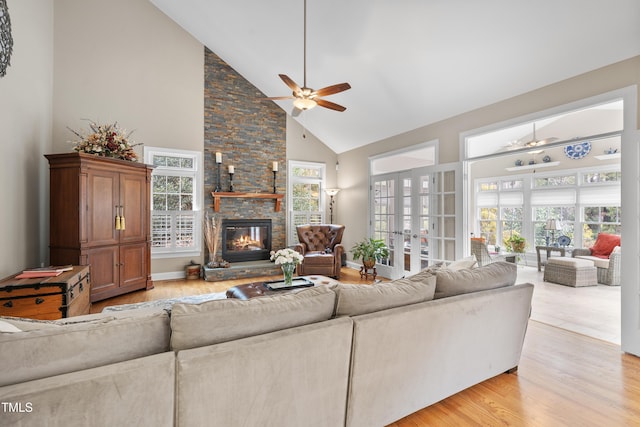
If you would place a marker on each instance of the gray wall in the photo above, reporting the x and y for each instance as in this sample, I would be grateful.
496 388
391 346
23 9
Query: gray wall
25 121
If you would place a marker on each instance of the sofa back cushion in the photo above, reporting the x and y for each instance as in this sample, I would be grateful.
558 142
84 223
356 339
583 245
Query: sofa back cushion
352 300
44 349
605 243
212 322
494 275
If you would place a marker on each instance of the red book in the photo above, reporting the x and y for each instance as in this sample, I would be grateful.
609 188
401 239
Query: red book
35 274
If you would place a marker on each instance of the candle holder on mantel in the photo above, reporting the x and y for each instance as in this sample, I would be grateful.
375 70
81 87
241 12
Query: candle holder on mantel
218 188
230 182
275 190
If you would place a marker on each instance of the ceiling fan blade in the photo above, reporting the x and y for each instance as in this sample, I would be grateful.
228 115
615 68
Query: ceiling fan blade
547 140
330 105
330 90
278 98
292 85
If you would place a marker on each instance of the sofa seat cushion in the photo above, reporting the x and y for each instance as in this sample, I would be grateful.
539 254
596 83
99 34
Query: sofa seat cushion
212 322
353 300
597 261
45 349
318 258
495 275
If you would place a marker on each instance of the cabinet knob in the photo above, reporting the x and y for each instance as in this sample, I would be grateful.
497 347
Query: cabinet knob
39 300
8 304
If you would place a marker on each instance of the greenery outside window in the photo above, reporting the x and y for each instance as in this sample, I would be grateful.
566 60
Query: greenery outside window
600 219
584 202
175 207
306 195
566 216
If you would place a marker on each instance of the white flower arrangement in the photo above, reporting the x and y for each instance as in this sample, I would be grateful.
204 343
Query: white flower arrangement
286 256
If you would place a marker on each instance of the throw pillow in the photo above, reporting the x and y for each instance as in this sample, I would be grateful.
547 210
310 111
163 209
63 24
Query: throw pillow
352 300
468 262
605 244
494 275
6 327
212 322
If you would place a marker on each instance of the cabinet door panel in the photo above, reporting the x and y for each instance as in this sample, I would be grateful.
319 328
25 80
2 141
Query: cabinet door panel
102 199
134 202
133 266
104 264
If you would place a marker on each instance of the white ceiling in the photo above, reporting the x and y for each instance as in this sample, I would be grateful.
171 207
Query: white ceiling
410 62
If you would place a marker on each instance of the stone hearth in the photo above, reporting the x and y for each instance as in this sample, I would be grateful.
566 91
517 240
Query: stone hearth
241 270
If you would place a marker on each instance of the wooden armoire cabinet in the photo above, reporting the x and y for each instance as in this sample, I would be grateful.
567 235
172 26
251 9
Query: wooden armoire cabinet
100 216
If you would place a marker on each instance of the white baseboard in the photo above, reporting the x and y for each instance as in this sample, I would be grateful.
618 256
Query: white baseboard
171 275
355 265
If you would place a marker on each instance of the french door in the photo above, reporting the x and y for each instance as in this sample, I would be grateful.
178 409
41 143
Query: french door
415 213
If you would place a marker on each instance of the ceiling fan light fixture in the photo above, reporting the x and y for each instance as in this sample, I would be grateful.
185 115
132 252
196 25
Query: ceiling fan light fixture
304 103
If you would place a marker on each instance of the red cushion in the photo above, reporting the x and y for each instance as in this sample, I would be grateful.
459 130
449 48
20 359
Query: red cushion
604 245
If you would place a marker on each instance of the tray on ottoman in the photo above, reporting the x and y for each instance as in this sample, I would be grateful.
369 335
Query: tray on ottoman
298 282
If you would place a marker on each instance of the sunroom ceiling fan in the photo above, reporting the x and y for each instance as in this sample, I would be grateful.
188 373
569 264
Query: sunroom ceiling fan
305 98
534 142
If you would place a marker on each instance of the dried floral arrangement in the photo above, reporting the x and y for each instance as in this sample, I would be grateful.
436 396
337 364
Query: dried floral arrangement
106 140
212 226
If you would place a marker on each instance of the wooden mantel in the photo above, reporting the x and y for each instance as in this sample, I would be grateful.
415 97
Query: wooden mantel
217 195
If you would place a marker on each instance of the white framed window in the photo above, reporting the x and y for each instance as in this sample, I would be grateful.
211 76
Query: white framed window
500 209
306 201
176 226
585 202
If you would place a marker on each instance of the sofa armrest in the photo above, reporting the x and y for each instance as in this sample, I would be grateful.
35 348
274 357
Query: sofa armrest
301 248
581 252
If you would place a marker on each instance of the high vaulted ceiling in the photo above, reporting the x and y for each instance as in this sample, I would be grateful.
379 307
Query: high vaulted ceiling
410 62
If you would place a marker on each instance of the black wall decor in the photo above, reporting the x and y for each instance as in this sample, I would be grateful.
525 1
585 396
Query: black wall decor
6 41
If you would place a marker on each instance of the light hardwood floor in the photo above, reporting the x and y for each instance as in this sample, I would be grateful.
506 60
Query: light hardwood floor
593 310
564 378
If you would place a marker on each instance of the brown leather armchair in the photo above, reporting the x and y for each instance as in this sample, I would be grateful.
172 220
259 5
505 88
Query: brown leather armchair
322 249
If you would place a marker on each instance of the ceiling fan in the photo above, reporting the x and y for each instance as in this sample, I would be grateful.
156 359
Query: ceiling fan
534 142
305 98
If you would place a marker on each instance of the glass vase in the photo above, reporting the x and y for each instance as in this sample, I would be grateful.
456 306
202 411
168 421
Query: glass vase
287 271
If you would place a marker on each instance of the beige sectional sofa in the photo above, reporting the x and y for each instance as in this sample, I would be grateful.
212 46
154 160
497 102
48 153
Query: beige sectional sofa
346 355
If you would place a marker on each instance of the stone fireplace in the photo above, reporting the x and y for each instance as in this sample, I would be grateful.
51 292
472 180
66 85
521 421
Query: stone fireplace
246 239
250 136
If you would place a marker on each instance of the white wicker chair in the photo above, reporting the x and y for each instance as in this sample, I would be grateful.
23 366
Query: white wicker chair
480 251
606 276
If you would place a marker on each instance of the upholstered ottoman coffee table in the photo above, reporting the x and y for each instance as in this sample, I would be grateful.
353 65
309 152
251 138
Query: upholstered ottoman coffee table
570 272
258 289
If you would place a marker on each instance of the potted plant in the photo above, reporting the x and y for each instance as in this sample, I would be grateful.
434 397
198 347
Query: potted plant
369 250
516 242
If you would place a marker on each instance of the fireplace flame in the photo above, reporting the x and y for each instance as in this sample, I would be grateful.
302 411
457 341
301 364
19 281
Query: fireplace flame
245 243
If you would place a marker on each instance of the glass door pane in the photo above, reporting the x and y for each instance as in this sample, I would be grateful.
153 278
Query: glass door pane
384 217
407 226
